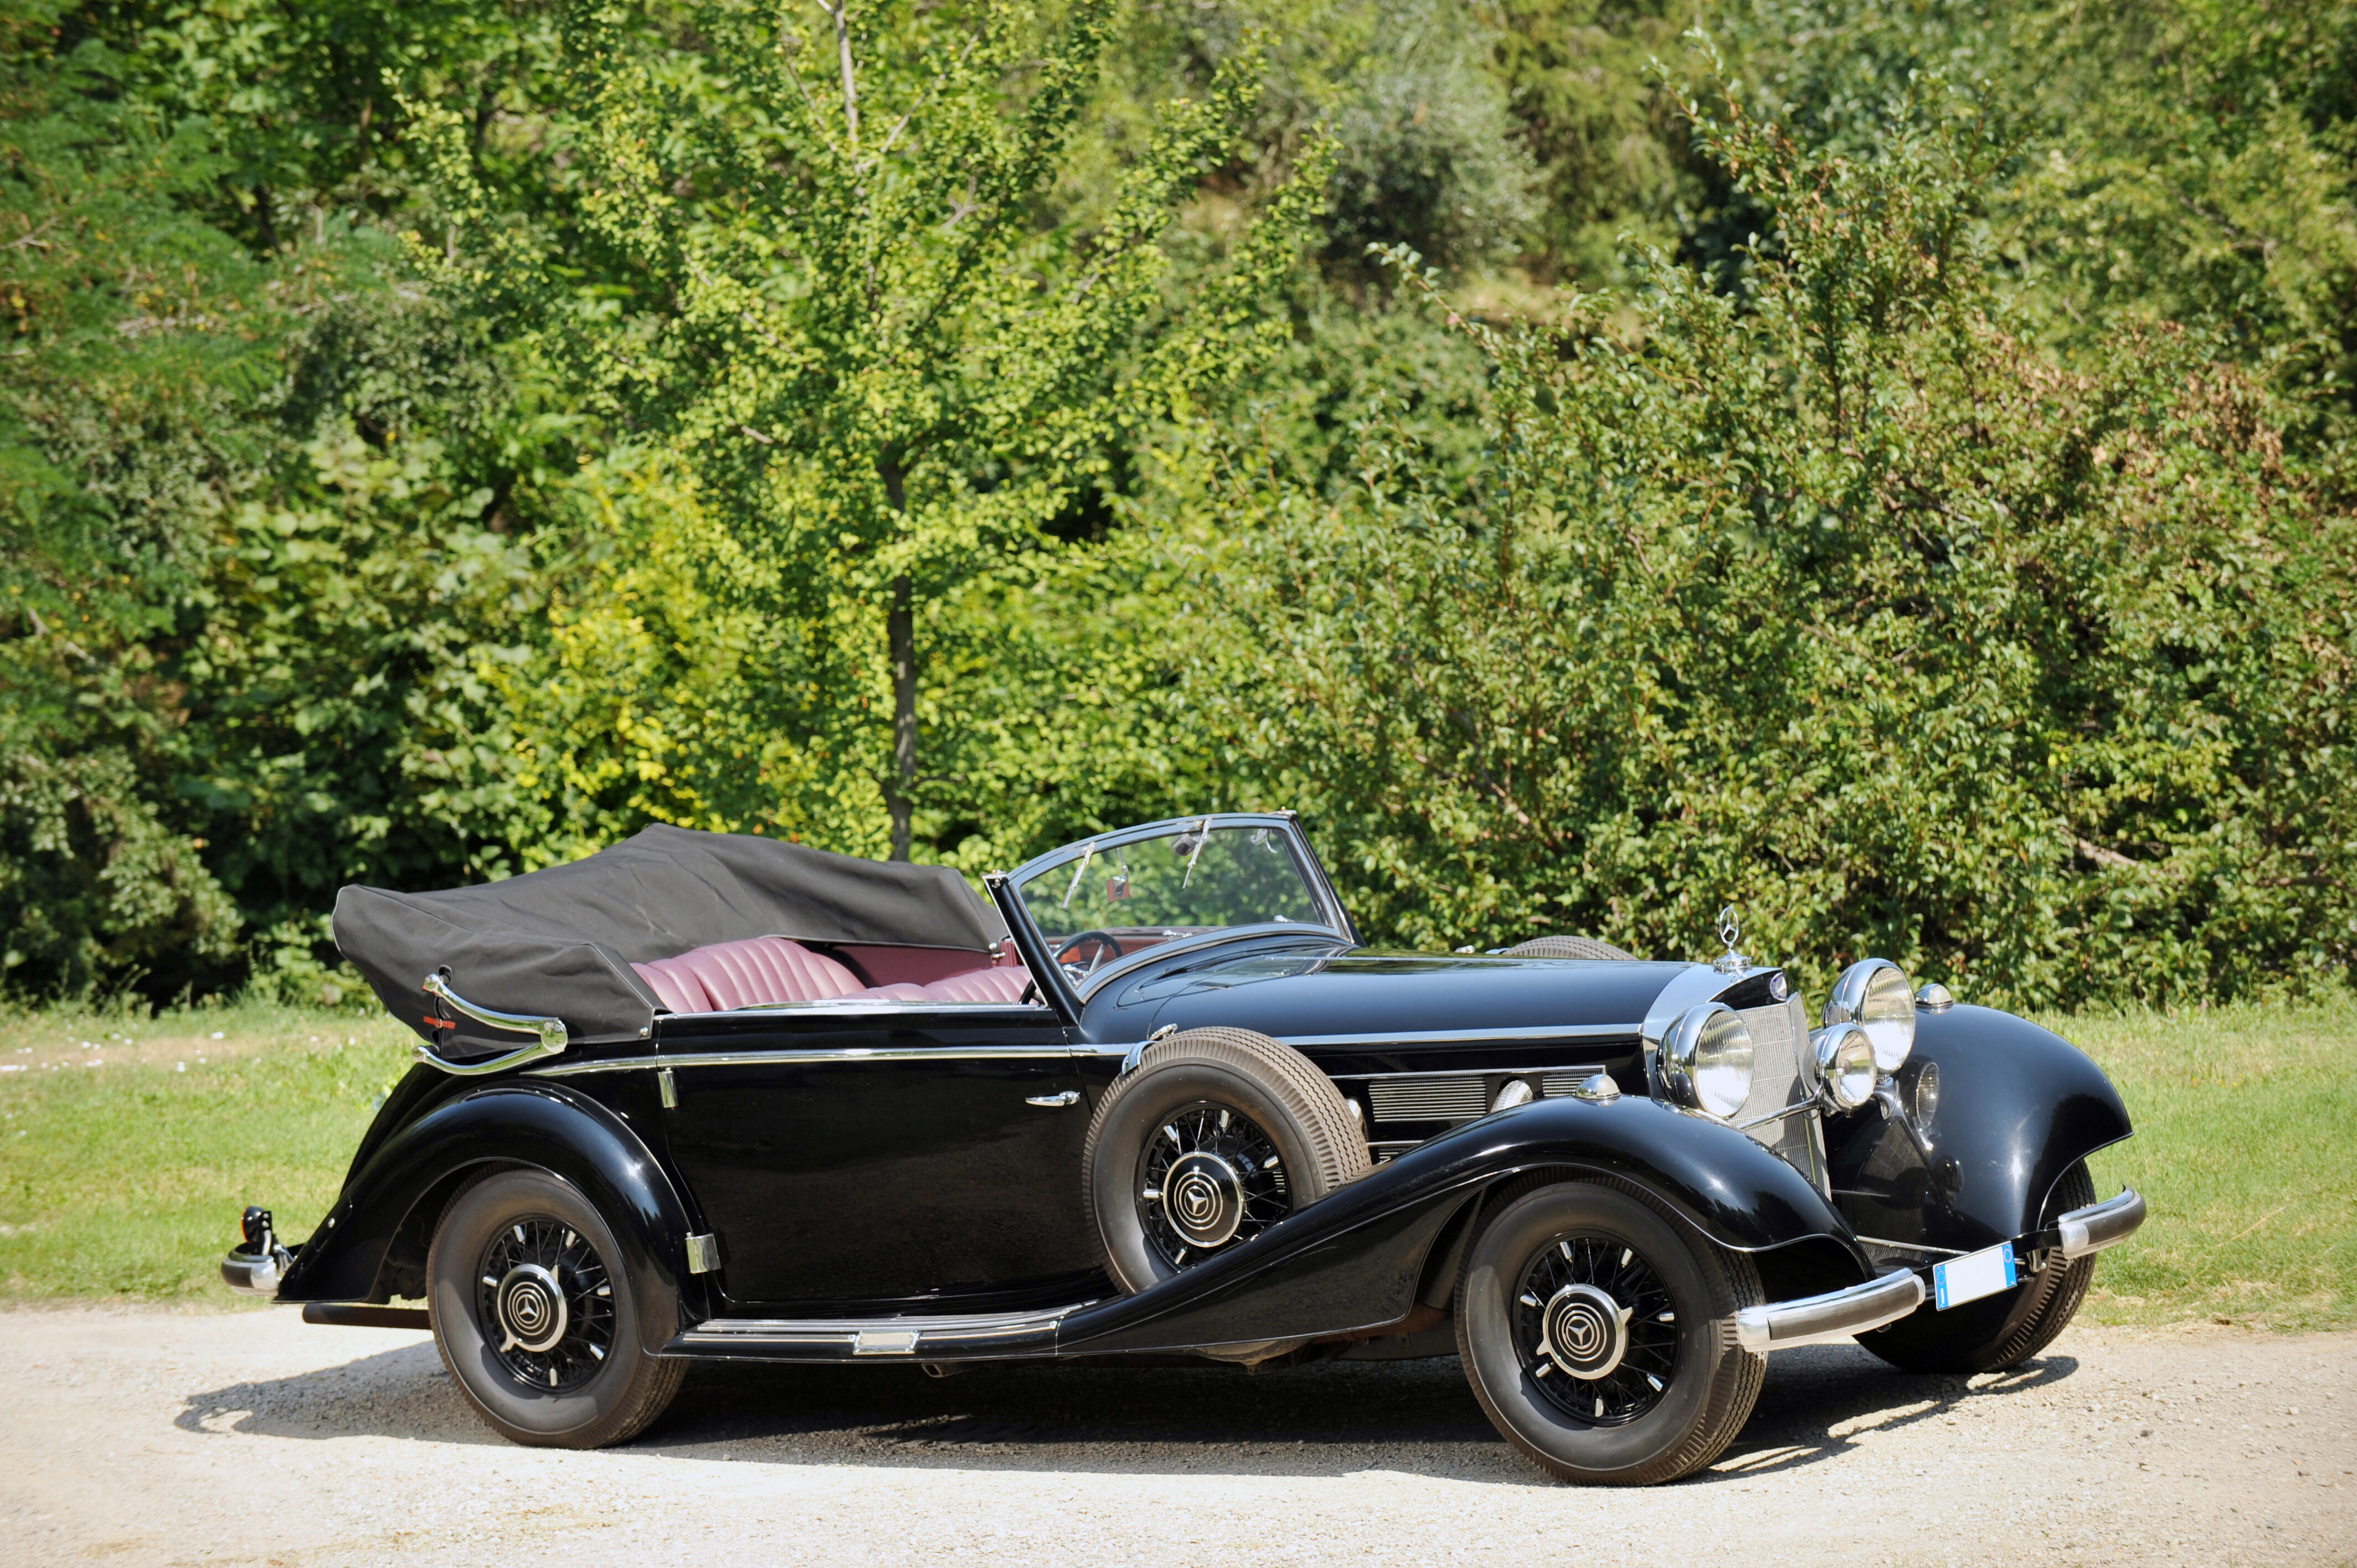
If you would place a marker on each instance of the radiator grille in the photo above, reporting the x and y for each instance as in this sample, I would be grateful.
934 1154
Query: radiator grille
1554 1085
1448 1098
1783 1075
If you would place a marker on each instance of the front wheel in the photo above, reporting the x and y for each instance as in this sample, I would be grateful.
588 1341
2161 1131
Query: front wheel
538 1318
1599 1337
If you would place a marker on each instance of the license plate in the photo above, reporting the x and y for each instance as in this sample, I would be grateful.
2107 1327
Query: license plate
1973 1276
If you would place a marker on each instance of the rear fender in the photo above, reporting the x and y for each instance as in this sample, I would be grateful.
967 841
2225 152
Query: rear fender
1357 1259
388 1205
2018 1105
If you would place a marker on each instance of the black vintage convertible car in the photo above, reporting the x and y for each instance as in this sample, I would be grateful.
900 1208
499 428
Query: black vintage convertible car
715 1096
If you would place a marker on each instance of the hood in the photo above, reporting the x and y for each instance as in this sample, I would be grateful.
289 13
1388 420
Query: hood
1363 991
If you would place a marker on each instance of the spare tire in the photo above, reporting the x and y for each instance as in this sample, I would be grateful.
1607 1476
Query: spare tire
1215 1135
1568 947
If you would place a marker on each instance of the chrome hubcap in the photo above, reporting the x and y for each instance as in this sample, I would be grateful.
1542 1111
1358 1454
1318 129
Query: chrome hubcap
1585 1332
1595 1329
531 1309
1204 1199
546 1304
1208 1178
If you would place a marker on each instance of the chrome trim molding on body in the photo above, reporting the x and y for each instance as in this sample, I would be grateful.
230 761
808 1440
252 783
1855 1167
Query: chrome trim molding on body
869 1007
1831 1317
803 1055
906 1336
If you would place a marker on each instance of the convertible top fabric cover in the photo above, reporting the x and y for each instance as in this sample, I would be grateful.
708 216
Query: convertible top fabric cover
560 942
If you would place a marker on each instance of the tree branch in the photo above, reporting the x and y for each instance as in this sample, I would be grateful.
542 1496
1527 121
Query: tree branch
839 14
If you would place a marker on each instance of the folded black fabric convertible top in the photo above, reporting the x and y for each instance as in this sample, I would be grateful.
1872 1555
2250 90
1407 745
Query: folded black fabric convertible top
561 941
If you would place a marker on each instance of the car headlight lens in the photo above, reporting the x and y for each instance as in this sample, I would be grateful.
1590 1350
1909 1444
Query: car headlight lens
1873 994
1706 1060
1846 1064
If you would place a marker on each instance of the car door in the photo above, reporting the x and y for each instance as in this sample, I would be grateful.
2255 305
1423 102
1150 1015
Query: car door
847 1153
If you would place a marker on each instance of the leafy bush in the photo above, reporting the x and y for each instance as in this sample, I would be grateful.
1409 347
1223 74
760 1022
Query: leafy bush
1836 601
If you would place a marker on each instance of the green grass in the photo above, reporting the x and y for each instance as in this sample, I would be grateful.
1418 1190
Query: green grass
2247 1153
124 1181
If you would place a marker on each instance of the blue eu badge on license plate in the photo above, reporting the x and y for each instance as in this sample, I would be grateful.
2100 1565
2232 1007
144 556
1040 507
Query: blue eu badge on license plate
1973 1276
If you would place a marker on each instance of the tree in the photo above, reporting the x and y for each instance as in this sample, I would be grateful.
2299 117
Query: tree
825 268
1837 599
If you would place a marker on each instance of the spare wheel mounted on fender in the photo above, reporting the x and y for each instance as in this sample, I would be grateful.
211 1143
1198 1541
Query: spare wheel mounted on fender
1215 1135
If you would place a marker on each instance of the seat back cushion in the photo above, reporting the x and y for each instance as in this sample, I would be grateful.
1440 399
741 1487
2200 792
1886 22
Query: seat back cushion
1002 983
748 973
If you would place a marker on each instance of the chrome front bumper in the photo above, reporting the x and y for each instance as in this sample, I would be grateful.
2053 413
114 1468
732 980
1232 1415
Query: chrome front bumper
1833 1316
2099 1225
1839 1315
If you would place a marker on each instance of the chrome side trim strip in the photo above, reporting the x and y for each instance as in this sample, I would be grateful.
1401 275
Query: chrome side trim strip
1536 1036
871 1335
803 1056
1582 1069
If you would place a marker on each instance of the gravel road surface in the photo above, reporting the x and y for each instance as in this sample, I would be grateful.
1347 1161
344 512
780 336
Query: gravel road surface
143 1437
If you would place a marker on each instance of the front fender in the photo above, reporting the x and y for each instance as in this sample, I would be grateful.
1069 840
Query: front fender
1354 1259
2018 1105
546 1125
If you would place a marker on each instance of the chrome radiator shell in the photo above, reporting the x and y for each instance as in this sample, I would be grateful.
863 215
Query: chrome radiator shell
1784 1077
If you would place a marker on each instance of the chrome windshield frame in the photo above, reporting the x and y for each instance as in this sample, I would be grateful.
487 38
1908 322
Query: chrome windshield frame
1006 888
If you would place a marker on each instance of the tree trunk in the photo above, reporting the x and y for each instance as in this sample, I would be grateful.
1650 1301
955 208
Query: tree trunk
900 635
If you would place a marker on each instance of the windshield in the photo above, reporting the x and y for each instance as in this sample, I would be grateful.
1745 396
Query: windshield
1096 905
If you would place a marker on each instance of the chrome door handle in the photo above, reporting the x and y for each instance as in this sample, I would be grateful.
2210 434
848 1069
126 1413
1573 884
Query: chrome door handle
1054 1101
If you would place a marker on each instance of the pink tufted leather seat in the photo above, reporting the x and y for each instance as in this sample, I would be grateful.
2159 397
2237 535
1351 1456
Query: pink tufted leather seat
764 969
1002 984
747 973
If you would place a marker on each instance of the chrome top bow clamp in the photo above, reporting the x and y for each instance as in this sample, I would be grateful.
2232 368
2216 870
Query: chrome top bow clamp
550 1030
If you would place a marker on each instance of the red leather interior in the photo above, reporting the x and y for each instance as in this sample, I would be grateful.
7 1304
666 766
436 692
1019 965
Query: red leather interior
747 973
1004 983
760 970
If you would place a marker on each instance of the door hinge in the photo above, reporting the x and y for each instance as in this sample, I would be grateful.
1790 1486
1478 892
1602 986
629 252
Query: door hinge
669 1087
703 1254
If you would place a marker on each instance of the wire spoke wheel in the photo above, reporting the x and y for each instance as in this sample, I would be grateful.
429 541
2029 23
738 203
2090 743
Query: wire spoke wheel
1595 1329
1208 1178
546 1302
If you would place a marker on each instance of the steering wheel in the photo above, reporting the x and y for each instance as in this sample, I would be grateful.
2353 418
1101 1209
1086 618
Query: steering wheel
1108 946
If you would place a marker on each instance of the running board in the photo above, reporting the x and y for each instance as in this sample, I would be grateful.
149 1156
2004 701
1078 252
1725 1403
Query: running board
956 1338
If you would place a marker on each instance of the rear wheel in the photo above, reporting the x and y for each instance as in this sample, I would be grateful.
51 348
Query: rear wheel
1599 1337
538 1319
1214 1137
2003 1330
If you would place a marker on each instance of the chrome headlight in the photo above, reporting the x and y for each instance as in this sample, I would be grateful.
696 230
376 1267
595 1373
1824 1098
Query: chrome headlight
1846 1065
1706 1060
1873 994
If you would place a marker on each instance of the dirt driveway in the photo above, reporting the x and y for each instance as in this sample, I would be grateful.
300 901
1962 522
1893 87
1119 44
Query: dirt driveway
164 1437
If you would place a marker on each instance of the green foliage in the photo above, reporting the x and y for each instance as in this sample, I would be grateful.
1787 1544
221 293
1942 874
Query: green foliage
1892 549
886 376
1838 602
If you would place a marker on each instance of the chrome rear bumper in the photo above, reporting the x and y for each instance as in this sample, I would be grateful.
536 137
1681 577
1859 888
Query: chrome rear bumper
1831 1317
